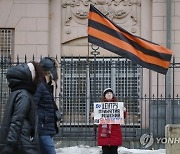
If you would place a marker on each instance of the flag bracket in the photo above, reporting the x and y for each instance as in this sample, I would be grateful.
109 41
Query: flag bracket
95 48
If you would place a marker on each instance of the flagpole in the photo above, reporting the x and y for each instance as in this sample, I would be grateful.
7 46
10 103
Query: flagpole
95 53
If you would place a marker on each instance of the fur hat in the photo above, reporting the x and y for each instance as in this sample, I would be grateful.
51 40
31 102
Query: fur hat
107 90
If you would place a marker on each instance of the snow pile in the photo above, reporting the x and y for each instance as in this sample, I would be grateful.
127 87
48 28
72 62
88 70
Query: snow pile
96 150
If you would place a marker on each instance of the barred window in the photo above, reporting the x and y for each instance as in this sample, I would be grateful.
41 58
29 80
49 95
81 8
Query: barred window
83 81
6 49
6 42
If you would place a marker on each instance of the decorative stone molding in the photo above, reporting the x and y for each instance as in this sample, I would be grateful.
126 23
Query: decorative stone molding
125 13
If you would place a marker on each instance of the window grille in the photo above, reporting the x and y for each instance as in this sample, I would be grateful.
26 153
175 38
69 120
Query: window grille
6 42
6 49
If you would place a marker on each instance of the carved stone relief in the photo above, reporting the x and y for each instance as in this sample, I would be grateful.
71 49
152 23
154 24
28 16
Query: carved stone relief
126 13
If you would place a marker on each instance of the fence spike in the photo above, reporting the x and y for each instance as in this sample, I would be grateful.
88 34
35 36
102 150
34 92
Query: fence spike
40 57
17 59
10 60
177 96
25 58
33 57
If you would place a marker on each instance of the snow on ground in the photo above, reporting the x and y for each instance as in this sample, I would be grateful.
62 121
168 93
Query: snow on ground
96 150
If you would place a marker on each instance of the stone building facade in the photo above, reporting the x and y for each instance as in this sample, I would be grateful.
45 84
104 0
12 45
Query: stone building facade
59 27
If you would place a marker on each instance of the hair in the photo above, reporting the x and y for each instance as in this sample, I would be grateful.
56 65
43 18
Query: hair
56 64
39 73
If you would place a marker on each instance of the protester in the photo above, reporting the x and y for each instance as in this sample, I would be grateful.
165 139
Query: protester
110 135
46 106
18 131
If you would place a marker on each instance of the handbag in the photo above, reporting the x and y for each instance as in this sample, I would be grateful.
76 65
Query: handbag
58 114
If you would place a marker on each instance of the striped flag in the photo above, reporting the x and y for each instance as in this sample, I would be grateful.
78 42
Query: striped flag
108 35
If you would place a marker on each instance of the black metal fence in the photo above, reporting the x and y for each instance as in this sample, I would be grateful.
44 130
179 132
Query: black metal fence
81 83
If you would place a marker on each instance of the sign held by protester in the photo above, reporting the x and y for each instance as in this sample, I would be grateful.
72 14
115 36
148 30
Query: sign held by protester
108 113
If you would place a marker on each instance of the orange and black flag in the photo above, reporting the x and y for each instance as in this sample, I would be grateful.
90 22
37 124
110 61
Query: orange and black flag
108 35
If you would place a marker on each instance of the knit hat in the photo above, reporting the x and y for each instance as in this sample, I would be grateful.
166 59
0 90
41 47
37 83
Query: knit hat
49 64
107 90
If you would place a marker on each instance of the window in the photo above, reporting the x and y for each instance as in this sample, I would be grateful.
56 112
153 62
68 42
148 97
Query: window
6 42
6 49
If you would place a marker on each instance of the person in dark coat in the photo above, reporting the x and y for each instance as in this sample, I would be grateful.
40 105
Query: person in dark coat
46 106
18 131
110 135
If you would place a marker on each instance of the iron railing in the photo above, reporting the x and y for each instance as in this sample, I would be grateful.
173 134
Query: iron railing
81 84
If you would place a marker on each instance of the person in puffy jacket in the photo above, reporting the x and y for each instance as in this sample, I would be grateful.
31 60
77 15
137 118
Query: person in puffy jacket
46 106
110 135
18 131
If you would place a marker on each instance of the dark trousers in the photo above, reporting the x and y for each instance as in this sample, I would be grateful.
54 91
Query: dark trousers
109 149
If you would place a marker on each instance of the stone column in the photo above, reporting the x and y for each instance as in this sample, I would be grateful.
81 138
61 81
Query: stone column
54 28
146 33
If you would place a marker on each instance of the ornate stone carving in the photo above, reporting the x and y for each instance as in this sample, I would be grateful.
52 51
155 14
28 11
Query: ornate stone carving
125 13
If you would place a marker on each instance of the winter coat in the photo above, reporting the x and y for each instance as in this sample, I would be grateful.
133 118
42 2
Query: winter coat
18 131
110 134
46 109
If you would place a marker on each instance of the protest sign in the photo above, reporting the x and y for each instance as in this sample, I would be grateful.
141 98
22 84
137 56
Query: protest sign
108 113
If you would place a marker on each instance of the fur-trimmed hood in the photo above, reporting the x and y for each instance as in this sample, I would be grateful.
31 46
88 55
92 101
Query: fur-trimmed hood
19 77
